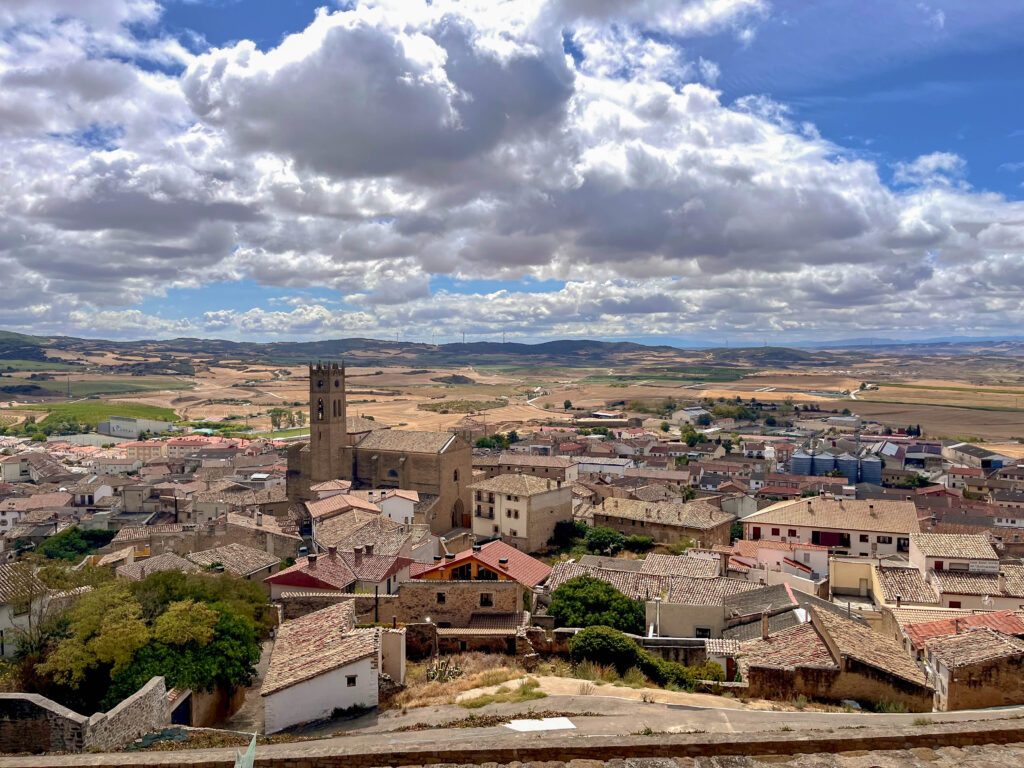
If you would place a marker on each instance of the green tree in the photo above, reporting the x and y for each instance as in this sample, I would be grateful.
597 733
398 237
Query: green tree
567 405
39 437
638 543
665 426
567 533
300 418
584 601
603 540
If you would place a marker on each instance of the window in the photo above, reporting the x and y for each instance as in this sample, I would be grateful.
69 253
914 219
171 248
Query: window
350 681
440 598
704 632
792 531
807 557
515 513
455 476
938 565
755 533
486 600
954 603
508 513
885 539
513 532
864 537
775 531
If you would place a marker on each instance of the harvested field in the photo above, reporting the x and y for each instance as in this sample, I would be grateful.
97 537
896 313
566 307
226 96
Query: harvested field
939 421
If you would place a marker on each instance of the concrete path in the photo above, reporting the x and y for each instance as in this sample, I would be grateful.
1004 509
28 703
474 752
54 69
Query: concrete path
249 717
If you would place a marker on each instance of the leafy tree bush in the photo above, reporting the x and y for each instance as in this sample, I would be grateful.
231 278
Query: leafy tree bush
567 533
603 540
73 543
638 543
609 647
584 601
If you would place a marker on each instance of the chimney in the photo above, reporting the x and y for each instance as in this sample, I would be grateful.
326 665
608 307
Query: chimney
899 599
477 547
368 548
956 626
1002 583
437 558
764 625
449 556
358 553
332 552
503 562
259 518
311 561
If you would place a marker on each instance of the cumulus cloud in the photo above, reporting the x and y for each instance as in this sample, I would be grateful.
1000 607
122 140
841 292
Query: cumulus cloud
389 142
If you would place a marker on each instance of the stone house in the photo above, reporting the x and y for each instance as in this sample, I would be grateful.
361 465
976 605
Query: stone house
705 524
334 571
520 509
493 561
548 467
976 669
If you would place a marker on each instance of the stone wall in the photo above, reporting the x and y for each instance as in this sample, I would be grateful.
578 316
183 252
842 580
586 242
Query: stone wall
415 602
33 723
995 683
857 682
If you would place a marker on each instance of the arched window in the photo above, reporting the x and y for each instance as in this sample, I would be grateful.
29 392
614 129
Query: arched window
455 476
320 409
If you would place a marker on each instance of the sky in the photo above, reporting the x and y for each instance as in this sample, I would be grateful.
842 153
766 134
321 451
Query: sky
681 172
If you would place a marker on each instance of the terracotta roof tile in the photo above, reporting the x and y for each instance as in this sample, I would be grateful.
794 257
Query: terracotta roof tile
869 647
695 514
168 561
975 646
907 583
317 643
794 646
406 440
879 515
1007 622
237 559
950 545
520 566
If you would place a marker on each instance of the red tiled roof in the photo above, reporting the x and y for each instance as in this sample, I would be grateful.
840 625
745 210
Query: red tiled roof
1007 622
325 573
526 570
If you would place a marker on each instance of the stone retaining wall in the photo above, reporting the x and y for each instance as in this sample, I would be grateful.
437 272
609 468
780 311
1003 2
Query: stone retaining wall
33 723
528 748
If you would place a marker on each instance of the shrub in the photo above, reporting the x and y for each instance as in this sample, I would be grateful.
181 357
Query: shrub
567 533
638 543
603 540
634 677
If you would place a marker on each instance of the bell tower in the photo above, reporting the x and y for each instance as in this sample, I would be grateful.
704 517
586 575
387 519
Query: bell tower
328 430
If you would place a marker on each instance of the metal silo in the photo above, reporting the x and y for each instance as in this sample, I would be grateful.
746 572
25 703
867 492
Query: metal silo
823 462
847 464
871 470
800 463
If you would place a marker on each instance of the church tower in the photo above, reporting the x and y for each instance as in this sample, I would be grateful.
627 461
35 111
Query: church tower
328 430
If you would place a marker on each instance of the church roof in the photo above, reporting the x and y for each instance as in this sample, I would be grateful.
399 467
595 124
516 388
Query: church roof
406 441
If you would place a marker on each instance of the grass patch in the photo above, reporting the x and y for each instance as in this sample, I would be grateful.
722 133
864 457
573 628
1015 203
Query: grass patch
279 433
479 670
886 707
461 406
526 691
9 366
92 412
923 721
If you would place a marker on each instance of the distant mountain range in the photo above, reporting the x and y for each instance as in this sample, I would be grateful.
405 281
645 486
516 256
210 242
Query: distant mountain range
573 353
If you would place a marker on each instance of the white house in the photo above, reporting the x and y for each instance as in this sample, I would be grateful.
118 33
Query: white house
863 528
321 663
395 504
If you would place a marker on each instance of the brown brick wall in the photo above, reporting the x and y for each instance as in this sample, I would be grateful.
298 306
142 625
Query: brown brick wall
996 684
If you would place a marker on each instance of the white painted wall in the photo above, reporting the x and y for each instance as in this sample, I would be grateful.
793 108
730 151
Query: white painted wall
317 698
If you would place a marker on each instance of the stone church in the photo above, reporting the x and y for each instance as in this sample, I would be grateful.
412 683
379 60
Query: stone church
438 465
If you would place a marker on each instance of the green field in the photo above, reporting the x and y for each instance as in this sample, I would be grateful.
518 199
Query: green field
92 412
7 366
119 386
985 390
281 433
461 406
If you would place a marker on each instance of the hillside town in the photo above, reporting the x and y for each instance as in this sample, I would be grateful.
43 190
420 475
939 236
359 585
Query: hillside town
832 563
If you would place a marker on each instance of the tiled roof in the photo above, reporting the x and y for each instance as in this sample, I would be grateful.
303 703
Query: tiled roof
869 647
244 497
905 617
168 561
612 563
140 532
316 643
236 558
39 501
520 566
686 590
695 514
17 581
269 524
907 583
516 485
332 485
721 647
326 573
681 565
798 645
967 583
975 646
116 557
950 545
1007 622
357 424
340 502
405 440
524 460
335 530
880 515
745 548
505 621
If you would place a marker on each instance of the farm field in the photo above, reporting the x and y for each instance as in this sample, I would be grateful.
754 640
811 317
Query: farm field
946 394
943 421
92 412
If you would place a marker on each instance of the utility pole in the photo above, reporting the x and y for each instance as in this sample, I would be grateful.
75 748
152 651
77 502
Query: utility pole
463 337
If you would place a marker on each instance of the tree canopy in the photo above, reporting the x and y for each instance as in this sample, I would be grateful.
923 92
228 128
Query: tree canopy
584 601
